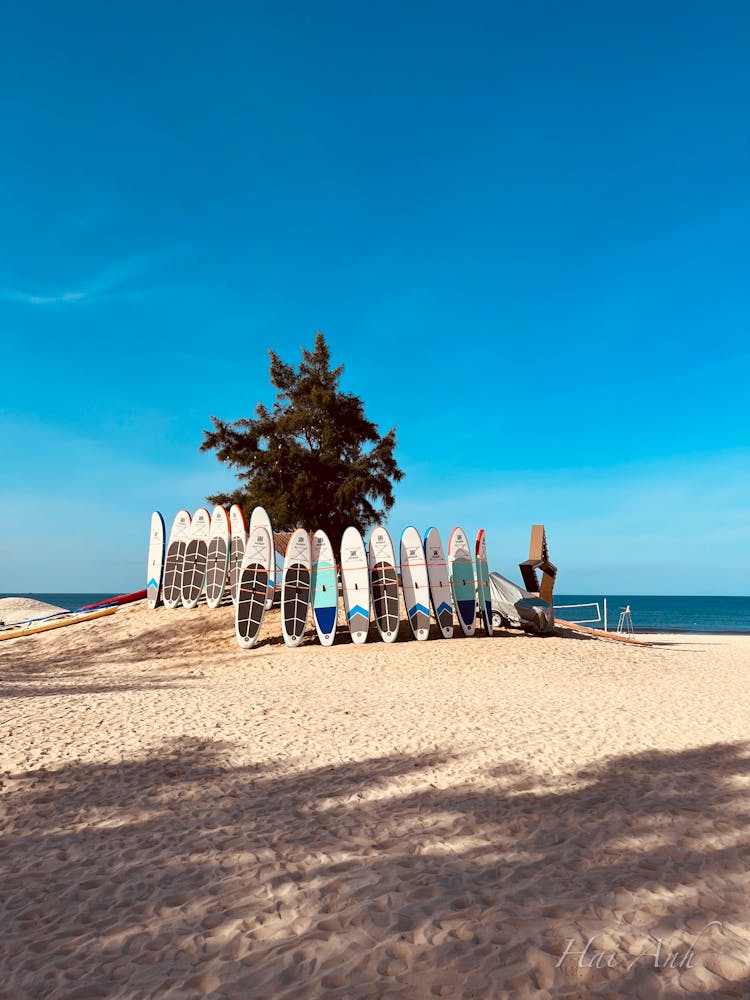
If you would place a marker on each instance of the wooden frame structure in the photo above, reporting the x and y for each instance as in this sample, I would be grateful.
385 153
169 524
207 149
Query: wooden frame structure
538 561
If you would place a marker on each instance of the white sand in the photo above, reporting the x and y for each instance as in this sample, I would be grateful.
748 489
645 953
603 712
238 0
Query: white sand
21 609
183 818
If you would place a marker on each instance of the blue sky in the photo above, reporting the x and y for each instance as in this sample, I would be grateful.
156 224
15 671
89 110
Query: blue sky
543 209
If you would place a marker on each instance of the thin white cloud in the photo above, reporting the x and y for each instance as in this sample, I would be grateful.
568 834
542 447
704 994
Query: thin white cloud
25 298
110 282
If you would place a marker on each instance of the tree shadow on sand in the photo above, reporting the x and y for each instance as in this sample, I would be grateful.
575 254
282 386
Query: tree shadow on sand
180 874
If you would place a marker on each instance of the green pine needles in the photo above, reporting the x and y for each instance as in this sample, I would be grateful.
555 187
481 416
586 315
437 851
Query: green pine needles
314 460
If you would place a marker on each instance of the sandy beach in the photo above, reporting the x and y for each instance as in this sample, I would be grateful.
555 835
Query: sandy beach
444 819
20 609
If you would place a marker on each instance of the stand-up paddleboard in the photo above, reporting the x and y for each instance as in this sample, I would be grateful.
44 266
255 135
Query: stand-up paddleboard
237 544
325 588
483 583
155 559
440 590
461 569
218 557
196 558
295 588
384 584
259 518
415 583
252 587
355 584
178 539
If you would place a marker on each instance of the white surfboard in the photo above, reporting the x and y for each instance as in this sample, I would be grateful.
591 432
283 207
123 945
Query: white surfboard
260 518
178 539
384 584
415 583
461 569
218 557
295 588
324 583
155 564
196 559
440 588
252 588
484 595
355 584
237 544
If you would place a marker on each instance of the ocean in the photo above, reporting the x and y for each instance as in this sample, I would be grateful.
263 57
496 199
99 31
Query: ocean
664 614
649 613
68 601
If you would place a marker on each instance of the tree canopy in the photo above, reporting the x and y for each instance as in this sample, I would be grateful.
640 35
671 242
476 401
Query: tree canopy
313 460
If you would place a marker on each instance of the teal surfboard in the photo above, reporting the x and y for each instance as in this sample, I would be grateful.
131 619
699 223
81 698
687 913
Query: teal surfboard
461 567
325 588
483 583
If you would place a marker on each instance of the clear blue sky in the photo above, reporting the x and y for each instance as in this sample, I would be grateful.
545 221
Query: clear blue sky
542 209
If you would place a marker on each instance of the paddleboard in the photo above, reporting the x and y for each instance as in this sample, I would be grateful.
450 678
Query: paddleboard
325 588
483 583
178 539
415 583
461 571
295 588
218 557
155 562
196 558
237 544
440 590
259 518
252 588
384 584
355 584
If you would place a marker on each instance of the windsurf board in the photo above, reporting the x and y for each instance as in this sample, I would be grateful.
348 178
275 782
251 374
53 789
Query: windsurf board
74 618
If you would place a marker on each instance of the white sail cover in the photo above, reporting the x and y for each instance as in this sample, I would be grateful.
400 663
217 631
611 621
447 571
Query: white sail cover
518 608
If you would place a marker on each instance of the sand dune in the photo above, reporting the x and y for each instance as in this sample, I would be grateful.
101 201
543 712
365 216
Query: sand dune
444 819
21 609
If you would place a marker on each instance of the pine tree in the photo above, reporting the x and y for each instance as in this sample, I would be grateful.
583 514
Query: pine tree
314 460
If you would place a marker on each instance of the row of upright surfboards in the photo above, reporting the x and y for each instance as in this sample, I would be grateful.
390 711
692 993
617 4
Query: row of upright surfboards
210 554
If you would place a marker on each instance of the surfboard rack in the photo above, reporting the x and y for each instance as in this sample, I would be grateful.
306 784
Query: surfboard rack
538 562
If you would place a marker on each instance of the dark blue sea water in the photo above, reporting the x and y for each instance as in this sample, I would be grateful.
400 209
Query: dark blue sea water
650 614
68 601
665 614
